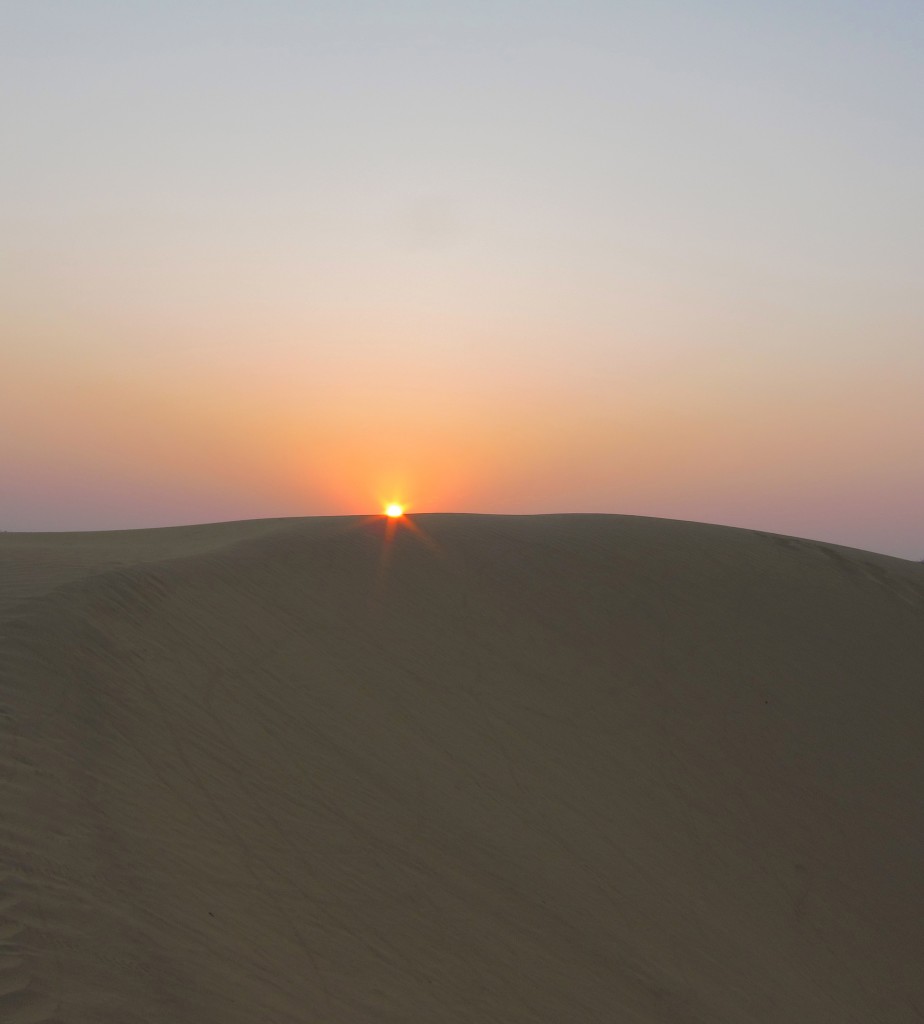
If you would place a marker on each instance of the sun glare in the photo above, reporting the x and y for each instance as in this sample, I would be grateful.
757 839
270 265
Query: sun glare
394 511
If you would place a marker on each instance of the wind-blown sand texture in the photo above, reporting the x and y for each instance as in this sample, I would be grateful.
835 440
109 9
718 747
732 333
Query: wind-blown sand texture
539 769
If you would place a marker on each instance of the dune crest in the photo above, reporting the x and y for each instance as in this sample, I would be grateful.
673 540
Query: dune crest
524 769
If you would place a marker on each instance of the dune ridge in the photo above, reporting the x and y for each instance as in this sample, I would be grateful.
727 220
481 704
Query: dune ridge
550 768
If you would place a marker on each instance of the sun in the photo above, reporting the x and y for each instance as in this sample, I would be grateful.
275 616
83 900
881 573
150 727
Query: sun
394 510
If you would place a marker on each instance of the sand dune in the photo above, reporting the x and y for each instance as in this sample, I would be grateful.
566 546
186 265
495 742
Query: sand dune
517 769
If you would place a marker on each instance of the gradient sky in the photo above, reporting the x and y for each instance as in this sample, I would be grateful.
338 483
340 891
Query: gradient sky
294 258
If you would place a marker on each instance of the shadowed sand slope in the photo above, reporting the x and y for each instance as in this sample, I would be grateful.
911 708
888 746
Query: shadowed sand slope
499 769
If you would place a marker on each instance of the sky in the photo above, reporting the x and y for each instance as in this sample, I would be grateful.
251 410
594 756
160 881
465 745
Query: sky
653 257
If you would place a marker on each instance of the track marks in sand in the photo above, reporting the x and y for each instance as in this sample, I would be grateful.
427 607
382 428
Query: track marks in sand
22 1000
581 767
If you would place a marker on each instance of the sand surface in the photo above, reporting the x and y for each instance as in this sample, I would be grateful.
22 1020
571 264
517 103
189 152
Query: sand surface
511 769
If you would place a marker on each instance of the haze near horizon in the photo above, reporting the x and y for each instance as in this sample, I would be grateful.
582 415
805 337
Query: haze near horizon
290 259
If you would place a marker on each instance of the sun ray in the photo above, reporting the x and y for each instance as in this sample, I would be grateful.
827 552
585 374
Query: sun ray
393 519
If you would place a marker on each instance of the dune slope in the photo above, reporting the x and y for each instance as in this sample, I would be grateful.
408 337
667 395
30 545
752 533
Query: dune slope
513 769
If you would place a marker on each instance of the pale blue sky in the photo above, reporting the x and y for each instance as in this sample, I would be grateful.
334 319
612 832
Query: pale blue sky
591 198
657 145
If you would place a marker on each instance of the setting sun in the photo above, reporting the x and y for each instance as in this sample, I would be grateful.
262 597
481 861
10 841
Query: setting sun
394 511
